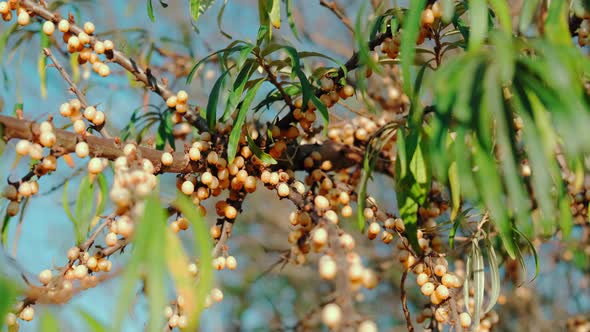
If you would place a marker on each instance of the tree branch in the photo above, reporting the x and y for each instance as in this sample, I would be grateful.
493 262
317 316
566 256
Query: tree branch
342 156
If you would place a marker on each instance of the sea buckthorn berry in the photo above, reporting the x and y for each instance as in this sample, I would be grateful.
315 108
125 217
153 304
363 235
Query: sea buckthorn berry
63 26
187 187
369 279
442 292
80 271
45 276
108 45
231 212
79 126
441 315
95 166
89 28
4 7
399 225
104 70
283 190
12 208
166 159
84 38
23 147
48 28
216 295
331 216
368 213
320 237
27 314
422 279
321 202
47 139
90 113
327 268
427 16
346 211
231 262
25 189
182 97
427 289
374 229
440 270
99 47
465 320
367 326
194 154
111 239
332 315
23 18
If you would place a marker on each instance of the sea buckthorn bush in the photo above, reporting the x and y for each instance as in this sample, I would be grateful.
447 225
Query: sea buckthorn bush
352 165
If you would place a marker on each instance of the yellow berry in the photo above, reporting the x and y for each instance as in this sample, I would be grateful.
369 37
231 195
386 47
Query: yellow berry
332 315
89 28
27 314
63 26
45 276
99 47
283 190
187 187
23 18
231 262
422 279
427 289
465 320
48 28
23 147
167 159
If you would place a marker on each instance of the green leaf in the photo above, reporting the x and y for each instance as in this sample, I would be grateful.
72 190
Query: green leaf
219 20
263 156
228 50
4 39
288 5
455 188
194 6
478 14
9 292
556 25
165 133
411 28
533 250
66 206
91 322
41 64
448 10
238 88
150 11
214 100
502 11
526 14
148 263
478 282
275 14
48 322
491 190
202 250
494 292
103 194
83 209
234 137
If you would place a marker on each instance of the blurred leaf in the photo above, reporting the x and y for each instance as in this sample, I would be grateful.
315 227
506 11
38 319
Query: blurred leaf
4 39
448 10
526 14
478 13
83 209
103 194
502 11
263 156
41 64
275 14
455 188
199 7
234 137
150 11
533 250
556 26
9 292
148 262
92 323
48 322
202 250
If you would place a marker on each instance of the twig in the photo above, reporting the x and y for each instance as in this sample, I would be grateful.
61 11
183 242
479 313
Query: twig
404 299
144 76
333 7
81 96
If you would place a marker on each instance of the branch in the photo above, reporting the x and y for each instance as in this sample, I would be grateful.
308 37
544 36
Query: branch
342 156
144 76
333 7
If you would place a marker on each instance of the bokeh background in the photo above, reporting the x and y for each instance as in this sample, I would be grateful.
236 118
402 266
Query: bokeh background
260 295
